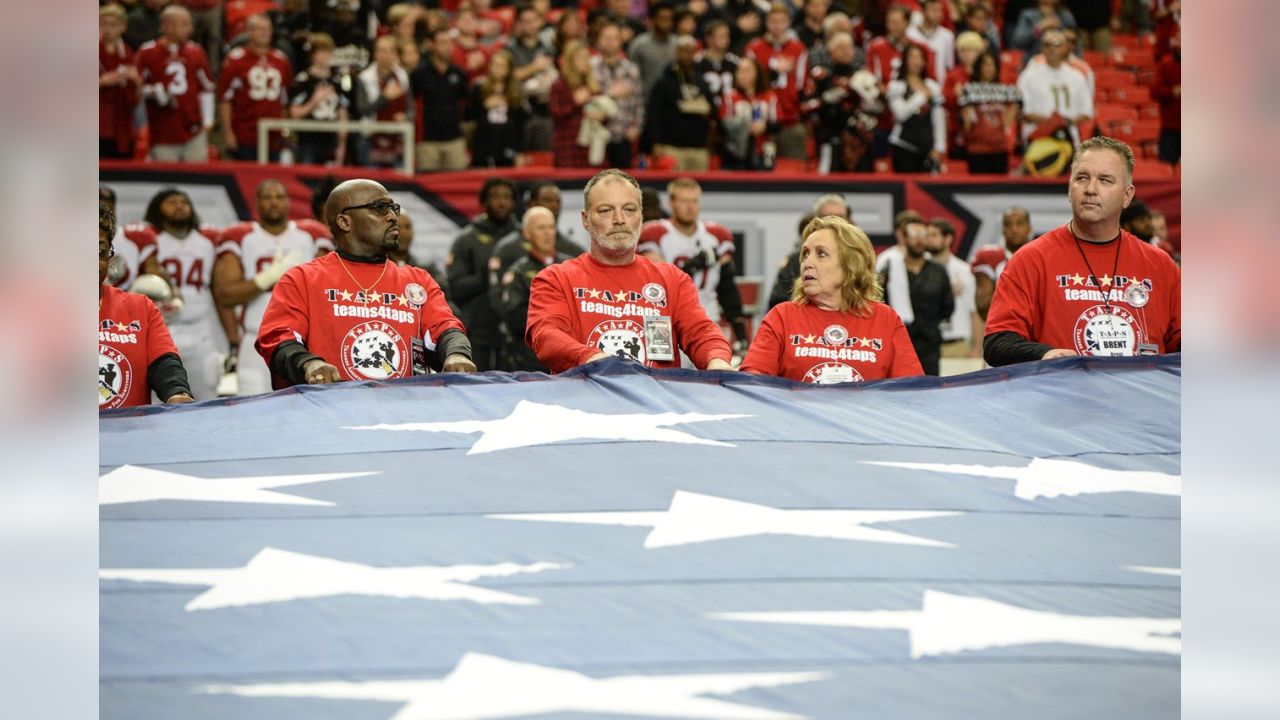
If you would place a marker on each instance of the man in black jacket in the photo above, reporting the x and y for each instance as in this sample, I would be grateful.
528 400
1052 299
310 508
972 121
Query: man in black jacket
678 122
467 269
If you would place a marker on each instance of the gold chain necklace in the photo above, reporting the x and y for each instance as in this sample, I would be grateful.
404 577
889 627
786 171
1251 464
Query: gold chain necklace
368 291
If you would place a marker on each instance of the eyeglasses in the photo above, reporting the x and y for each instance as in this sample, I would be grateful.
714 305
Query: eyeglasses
381 207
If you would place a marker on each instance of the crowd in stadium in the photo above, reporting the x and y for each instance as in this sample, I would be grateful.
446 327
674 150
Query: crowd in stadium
983 86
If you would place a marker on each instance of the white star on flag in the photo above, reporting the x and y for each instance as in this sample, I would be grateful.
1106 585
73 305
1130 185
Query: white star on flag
280 575
483 686
956 623
1051 478
130 483
532 423
695 518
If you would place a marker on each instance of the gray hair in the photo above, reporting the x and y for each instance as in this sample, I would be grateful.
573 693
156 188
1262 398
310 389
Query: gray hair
829 198
605 175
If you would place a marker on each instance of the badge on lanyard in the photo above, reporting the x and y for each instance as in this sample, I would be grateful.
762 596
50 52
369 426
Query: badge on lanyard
419 365
657 337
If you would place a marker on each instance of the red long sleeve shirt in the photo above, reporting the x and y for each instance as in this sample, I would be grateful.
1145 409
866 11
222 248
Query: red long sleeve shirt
581 307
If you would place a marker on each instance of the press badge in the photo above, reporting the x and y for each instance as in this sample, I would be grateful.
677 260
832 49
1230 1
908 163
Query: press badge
419 356
657 338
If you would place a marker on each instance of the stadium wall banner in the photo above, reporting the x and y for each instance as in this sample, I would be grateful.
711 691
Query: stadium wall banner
761 209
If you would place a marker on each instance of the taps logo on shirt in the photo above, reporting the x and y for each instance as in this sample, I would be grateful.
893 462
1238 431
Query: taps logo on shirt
114 377
374 350
1107 333
621 338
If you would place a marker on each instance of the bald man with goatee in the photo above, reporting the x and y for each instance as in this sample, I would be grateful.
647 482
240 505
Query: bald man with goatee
354 314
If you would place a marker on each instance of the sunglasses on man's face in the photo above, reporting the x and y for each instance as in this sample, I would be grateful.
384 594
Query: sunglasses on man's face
381 207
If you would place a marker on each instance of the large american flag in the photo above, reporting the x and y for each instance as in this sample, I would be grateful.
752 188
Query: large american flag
619 542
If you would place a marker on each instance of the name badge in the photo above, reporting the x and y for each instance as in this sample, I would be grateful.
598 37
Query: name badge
1148 349
657 337
419 356
833 374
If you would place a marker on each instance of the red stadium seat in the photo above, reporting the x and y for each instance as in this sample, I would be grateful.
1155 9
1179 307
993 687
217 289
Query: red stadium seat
539 158
1135 95
1147 167
1108 78
1109 114
1096 59
235 12
790 165
1141 135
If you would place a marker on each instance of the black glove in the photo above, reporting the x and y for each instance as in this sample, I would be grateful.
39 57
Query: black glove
695 264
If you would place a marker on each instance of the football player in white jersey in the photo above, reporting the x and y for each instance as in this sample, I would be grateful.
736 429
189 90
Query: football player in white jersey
186 250
703 249
135 247
251 258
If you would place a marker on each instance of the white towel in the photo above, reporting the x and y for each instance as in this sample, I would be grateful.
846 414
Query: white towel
898 289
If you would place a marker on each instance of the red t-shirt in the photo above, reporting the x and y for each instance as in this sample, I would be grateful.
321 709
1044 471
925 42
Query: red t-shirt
131 336
805 343
581 307
115 103
1046 295
318 304
786 85
177 74
255 85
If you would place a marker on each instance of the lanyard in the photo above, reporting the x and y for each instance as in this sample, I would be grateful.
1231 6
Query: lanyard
1106 294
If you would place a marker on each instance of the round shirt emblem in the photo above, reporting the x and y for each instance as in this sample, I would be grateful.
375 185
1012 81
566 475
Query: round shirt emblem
1136 294
114 377
835 334
374 350
832 373
1106 332
654 293
622 338
415 293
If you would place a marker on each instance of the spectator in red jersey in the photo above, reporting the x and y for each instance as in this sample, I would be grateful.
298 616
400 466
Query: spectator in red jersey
178 88
469 53
611 302
207 18
749 119
1088 287
136 355
919 136
383 93
619 78
989 109
355 315
990 261
118 86
498 109
835 329
570 93
443 88
1167 91
253 85
316 95
786 59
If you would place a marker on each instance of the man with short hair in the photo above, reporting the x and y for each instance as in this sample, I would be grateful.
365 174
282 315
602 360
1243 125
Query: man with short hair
931 32
468 269
1088 287
678 121
990 261
533 66
178 89
253 85
355 315
612 302
443 87
514 245
654 51
252 257
619 79
786 59
808 22
1055 96
715 63
960 330
538 230
920 291
703 249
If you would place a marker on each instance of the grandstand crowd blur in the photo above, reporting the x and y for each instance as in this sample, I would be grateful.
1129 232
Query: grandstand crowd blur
998 87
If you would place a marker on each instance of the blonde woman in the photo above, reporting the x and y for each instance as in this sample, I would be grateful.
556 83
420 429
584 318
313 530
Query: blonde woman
498 109
836 328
